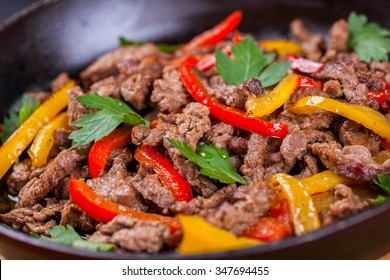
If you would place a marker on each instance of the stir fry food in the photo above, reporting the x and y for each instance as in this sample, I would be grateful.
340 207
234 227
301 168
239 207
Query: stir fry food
216 144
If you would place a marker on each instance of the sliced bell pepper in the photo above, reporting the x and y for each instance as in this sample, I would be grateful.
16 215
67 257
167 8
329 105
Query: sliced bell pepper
382 156
381 97
323 182
44 141
267 229
103 210
22 137
101 150
304 65
168 175
366 116
304 81
385 144
304 214
225 113
215 34
281 212
265 105
282 47
201 237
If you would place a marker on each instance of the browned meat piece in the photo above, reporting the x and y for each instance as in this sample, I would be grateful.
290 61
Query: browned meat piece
304 92
333 88
136 89
234 96
139 133
59 82
351 133
106 65
247 204
238 145
75 109
41 96
36 219
136 236
78 219
219 135
352 161
338 37
149 187
19 176
383 67
61 137
169 93
116 185
312 44
375 81
61 166
107 87
149 65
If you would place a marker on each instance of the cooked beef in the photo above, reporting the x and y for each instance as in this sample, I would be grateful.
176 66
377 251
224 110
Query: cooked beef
149 65
78 219
61 137
353 161
383 67
107 87
312 44
169 93
338 38
19 176
375 81
39 187
139 134
59 82
333 89
135 235
36 219
106 65
219 135
40 96
136 89
75 109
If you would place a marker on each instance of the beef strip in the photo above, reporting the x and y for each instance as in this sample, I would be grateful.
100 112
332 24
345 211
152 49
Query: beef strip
78 219
150 65
19 176
36 219
312 44
383 67
135 235
61 166
59 82
116 185
135 90
219 135
169 92
107 87
333 89
75 109
353 161
338 37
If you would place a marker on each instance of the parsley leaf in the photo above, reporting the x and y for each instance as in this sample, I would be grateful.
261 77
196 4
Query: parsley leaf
24 108
213 162
96 125
383 181
69 237
369 40
379 200
165 48
248 62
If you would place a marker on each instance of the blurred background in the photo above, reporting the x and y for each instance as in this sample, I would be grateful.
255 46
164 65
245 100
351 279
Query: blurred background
9 7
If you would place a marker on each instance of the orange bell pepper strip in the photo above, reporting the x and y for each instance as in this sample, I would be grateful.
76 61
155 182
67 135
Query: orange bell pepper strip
366 116
23 136
265 105
44 141
267 229
167 174
103 210
225 113
304 81
282 47
101 150
215 34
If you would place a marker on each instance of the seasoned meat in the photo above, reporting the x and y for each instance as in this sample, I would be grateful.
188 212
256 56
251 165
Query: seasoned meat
75 109
135 235
136 89
78 219
19 176
107 87
150 65
338 38
219 135
36 219
59 82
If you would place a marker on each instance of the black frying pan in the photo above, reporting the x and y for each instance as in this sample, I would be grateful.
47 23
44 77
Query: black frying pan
56 36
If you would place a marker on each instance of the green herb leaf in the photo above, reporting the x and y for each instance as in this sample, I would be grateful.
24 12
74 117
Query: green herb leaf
248 62
25 107
379 200
212 162
165 48
123 42
368 40
96 125
69 237
383 181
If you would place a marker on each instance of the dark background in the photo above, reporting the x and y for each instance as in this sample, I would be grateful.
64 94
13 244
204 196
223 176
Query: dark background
9 7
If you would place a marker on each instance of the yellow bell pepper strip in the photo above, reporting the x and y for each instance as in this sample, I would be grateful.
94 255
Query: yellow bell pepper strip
282 47
366 116
265 105
201 237
304 214
44 141
23 136
323 182
382 156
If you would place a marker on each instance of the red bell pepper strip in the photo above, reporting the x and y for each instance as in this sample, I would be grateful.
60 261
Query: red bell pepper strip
267 229
304 65
237 38
381 97
385 144
282 213
168 175
102 149
104 210
215 34
304 81
225 113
